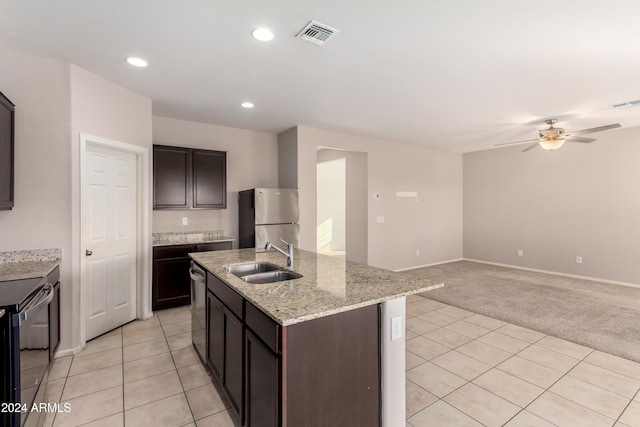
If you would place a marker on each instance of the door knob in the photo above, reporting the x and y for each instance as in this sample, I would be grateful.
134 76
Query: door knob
88 252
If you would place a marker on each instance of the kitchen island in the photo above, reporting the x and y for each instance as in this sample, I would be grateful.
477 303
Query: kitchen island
314 351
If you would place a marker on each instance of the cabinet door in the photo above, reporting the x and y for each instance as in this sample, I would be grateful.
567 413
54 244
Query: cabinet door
215 337
171 283
215 246
261 379
209 179
6 152
233 360
171 176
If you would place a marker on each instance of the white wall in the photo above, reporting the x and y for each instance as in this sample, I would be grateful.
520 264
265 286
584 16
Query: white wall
103 109
56 101
288 158
431 223
41 217
252 161
581 200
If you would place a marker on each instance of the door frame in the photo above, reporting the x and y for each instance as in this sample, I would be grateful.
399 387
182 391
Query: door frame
143 237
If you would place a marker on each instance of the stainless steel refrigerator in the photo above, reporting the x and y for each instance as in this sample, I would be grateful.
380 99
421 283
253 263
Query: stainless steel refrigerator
268 215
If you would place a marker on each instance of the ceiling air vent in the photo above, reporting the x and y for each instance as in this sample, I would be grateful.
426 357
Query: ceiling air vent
317 33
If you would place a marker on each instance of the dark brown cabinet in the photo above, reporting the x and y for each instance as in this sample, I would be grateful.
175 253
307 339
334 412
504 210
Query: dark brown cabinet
243 345
225 349
186 178
321 372
215 338
171 183
171 284
233 367
332 370
261 383
7 133
225 341
209 179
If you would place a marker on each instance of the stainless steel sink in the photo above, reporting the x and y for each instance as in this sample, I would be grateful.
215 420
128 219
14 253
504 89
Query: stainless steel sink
262 272
271 277
242 270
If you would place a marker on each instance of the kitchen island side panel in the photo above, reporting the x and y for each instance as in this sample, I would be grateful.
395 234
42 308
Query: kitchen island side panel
332 370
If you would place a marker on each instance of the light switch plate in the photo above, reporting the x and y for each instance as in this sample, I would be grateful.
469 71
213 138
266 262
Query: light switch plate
396 328
185 220
380 219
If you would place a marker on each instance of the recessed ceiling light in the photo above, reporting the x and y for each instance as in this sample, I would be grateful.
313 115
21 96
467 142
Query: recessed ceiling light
247 105
262 34
136 62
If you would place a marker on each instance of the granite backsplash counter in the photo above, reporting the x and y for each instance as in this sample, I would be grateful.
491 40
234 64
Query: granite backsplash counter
27 264
189 238
329 284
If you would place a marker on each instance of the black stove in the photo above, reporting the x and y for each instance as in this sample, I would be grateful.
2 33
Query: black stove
25 349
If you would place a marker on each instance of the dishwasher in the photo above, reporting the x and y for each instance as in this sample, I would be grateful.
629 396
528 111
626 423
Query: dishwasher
198 309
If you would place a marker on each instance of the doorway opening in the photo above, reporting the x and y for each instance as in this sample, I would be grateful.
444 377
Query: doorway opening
341 204
331 215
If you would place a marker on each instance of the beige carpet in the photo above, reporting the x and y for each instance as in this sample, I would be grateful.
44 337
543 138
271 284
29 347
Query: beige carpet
602 316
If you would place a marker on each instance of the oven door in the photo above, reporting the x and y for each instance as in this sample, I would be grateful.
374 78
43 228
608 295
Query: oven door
32 327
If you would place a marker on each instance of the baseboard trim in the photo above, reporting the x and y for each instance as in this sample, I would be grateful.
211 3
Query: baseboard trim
68 352
557 273
427 265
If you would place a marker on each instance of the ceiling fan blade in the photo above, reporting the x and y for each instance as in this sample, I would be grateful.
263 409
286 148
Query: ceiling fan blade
532 146
572 138
598 129
516 142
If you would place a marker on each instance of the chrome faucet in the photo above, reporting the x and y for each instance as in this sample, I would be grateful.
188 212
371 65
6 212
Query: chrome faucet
288 253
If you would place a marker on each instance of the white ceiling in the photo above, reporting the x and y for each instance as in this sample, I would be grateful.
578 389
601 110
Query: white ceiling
460 75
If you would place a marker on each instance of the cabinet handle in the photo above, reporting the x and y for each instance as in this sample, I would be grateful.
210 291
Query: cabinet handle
88 252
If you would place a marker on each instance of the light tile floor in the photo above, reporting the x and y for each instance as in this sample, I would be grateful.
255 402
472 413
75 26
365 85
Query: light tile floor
145 373
463 369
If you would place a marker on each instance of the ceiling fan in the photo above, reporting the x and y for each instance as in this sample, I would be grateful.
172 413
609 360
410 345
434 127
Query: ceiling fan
553 137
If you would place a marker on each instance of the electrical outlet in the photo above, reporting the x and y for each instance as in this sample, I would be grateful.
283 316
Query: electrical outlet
578 260
520 252
185 220
396 328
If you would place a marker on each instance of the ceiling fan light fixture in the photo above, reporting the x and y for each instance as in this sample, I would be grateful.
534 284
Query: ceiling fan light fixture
552 144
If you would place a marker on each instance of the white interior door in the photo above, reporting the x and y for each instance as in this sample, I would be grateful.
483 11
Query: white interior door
109 209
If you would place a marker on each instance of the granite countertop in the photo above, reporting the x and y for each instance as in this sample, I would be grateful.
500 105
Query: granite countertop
329 285
26 269
189 238
28 264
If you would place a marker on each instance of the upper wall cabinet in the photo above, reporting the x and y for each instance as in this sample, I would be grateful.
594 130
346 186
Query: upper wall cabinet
7 119
188 178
